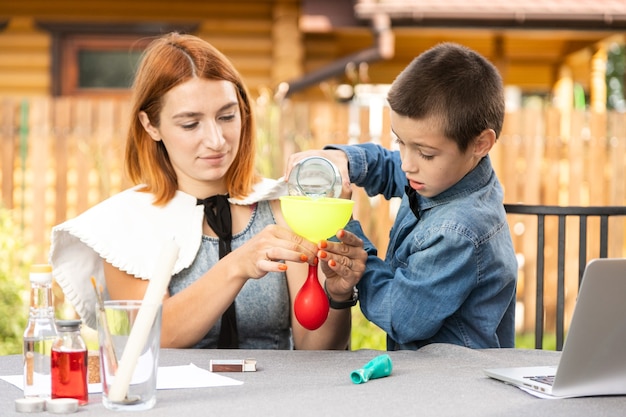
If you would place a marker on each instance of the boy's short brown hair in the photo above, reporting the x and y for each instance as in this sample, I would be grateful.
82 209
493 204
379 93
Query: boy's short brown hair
454 84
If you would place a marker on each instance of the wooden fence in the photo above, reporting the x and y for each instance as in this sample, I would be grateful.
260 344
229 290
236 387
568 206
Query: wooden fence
61 156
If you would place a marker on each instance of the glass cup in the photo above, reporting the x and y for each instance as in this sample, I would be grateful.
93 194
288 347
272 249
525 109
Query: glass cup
120 323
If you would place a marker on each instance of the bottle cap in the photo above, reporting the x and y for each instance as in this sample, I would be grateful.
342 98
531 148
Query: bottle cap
41 273
62 405
30 405
68 325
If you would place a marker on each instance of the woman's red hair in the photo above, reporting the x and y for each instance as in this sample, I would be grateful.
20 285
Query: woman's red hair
167 62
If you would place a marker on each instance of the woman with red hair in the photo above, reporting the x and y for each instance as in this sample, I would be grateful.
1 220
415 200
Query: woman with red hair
190 150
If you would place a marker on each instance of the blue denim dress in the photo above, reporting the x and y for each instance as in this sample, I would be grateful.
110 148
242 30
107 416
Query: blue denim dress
449 276
263 309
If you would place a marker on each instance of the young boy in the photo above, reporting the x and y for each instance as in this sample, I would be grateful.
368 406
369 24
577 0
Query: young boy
450 272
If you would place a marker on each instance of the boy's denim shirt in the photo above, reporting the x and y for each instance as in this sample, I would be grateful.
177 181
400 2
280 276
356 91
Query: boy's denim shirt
449 277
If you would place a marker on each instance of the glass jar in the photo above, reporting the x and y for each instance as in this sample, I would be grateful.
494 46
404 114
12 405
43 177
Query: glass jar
315 177
69 362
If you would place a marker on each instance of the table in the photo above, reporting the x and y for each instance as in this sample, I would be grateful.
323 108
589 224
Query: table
437 380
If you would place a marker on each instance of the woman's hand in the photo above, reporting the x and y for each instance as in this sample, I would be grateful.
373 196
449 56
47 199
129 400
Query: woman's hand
343 263
267 251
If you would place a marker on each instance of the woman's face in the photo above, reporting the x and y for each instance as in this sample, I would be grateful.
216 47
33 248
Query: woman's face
201 129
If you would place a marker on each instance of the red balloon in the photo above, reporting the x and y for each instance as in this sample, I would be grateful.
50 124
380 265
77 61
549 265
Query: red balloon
311 304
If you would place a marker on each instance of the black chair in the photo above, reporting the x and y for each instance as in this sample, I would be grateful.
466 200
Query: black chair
583 213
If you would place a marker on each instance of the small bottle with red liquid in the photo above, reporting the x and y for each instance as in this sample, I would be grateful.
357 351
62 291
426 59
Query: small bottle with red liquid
69 362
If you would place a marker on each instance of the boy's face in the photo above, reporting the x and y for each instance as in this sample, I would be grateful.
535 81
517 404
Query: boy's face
432 162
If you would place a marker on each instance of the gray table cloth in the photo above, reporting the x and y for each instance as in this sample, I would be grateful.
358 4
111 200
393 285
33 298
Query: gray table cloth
437 380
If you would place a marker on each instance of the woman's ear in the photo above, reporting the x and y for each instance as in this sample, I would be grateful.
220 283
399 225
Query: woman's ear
484 142
148 127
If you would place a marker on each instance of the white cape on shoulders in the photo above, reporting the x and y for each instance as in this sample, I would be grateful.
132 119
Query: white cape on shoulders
127 231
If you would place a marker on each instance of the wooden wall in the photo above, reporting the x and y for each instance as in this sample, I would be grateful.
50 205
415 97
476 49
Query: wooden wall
264 40
260 36
24 59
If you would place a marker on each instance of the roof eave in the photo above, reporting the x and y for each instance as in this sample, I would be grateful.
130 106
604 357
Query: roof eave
415 16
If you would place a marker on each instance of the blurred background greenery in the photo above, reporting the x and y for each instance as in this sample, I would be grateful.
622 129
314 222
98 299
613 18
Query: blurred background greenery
14 263
365 334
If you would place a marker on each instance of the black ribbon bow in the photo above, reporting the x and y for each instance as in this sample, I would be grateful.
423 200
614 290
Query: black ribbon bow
218 217
413 200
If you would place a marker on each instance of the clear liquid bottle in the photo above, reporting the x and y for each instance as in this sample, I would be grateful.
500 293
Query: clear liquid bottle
315 177
40 333
69 362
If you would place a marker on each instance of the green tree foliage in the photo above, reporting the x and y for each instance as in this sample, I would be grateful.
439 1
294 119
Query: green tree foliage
365 334
13 285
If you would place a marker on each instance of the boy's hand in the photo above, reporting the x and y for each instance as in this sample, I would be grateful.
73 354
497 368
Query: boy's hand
343 263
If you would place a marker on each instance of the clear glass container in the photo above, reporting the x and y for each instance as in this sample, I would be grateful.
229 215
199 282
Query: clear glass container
315 177
69 362
39 334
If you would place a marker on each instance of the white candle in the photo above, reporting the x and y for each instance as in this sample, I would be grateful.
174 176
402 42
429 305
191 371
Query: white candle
145 317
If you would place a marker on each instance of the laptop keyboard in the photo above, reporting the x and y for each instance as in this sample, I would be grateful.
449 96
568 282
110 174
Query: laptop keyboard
548 379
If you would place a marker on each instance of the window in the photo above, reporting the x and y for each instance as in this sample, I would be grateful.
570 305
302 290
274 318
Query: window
99 60
92 64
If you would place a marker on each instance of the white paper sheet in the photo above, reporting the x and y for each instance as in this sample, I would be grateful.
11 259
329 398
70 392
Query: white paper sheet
168 377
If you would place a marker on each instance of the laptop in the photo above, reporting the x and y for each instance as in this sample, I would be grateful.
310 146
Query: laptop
593 360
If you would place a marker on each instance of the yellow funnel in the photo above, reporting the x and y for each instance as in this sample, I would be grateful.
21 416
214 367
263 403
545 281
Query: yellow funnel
316 219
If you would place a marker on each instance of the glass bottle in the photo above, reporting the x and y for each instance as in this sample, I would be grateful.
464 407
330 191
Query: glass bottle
39 334
69 362
315 177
